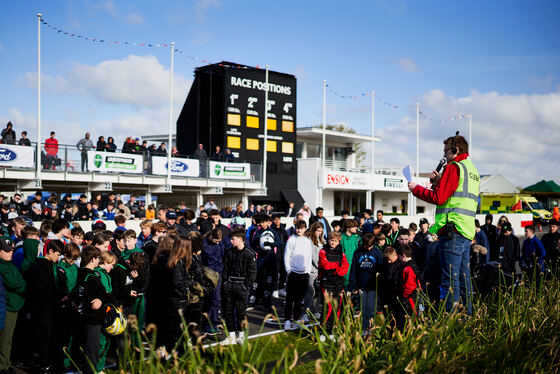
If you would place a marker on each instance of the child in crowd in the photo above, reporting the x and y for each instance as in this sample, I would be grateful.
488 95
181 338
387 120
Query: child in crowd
364 273
102 241
333 266
46 297
391 282
92 299
297 259
14 287
240 270
350 241
77 236
410 282
146 234
67 272
106 263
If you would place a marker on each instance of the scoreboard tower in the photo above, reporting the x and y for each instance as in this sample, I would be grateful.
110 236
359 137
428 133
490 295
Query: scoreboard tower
225 107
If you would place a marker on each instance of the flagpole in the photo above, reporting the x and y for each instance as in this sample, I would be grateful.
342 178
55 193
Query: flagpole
372 131
38 155
323 153
265 140
170 115
417 138
470 136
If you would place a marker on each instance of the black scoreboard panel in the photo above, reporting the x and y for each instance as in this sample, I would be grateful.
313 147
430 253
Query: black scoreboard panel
226 107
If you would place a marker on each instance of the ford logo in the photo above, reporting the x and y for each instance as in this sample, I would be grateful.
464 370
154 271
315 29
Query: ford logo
178 166
7 155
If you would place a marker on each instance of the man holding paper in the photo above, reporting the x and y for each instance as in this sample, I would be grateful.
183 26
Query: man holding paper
455 192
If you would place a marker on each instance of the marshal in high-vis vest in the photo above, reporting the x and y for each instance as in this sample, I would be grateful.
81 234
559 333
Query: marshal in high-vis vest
455 193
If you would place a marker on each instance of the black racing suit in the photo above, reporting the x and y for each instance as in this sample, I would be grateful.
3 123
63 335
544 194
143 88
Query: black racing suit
238 274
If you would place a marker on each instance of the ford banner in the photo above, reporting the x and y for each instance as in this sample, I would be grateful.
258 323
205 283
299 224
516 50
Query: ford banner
17 156
183 167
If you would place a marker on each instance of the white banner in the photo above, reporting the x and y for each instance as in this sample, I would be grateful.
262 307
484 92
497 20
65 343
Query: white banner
341 180
17 156
183 167
115 162
229 170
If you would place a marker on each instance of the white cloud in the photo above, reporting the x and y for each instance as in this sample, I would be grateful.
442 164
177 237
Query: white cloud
134 19
202 7
407 64
512 135
107 6
20 121
135 80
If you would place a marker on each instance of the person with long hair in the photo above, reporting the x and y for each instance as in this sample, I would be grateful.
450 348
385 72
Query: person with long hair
312 298
178 284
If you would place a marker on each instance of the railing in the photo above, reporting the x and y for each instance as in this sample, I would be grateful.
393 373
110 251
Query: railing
336 165
68 158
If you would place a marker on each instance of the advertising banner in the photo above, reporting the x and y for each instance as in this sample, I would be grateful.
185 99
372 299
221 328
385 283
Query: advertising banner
104 162
183 167
230 170
17 156
341 180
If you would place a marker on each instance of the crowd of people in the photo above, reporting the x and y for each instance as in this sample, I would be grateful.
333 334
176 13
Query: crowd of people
61 286
51 160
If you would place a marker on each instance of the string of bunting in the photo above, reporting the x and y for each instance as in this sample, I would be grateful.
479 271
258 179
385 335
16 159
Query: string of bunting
397 107
59 30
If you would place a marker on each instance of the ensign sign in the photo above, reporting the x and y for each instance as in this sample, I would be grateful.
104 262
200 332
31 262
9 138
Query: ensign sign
337 179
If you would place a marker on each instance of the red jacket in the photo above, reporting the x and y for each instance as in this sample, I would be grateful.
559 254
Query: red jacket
445 187
51 147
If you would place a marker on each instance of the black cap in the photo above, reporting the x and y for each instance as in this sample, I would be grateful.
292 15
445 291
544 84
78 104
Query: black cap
171 215
6 245
554 222
506 226
423 220
99 225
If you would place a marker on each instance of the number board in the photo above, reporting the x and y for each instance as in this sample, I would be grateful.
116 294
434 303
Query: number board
244 96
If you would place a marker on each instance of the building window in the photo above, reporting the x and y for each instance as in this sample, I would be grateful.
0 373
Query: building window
420 210
234 119
313 151
287 147
252 144
253 122
287 126
271 124
234 142
299 149
271 145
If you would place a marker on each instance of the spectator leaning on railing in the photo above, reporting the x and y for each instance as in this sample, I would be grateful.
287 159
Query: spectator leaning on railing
8 134
24 140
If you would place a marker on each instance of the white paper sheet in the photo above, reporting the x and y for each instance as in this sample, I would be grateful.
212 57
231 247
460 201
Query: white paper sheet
407 174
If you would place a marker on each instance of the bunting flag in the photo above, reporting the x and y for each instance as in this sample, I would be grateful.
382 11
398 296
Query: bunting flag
396 107
134 44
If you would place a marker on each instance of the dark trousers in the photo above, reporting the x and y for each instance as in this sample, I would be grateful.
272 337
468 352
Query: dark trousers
91 335
234 305
212 305
46 342
194 319
295 292
281 268
267 278
84 161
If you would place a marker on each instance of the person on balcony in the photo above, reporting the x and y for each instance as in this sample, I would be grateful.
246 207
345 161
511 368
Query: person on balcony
84 145
8 134
24 140
51 149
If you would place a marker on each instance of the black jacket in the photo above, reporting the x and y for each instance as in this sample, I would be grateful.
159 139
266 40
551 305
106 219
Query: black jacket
46 292
241 264
550 243
509 252
90 288
178 284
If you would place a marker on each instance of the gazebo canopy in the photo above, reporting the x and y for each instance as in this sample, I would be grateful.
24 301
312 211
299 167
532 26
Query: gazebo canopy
543 187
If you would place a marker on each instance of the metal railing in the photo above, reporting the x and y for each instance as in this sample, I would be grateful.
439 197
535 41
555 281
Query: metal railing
337 165
68 158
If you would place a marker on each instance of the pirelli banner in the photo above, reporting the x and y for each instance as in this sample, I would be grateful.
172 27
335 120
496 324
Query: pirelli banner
105 162
229 170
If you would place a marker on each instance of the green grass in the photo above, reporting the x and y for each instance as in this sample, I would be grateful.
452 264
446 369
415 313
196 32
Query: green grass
515 331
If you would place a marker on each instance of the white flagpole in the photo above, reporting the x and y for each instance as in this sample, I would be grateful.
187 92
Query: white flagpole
170 144
38 156
265 140
470 136
417 138
372 132
324 123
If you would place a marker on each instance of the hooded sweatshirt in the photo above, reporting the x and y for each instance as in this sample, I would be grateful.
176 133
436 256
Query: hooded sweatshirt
298 255
14 285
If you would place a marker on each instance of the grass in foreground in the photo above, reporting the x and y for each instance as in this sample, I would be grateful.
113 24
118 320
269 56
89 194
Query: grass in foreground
515 331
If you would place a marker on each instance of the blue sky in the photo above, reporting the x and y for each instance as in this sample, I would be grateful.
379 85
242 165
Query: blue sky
498 60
